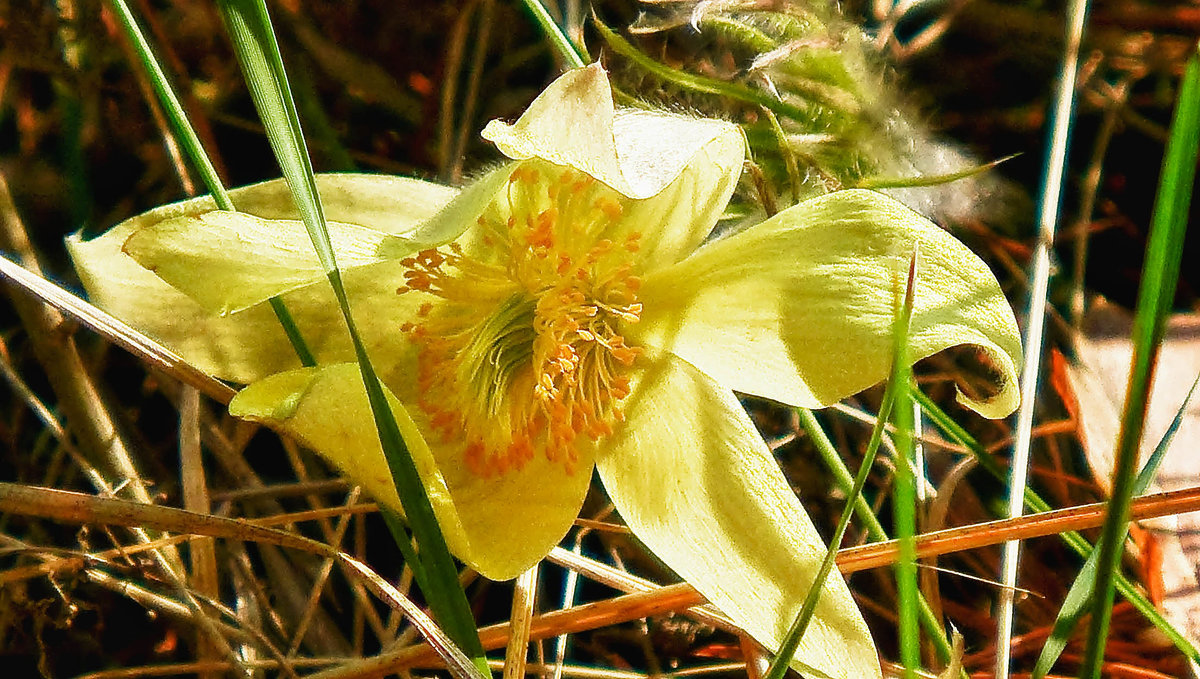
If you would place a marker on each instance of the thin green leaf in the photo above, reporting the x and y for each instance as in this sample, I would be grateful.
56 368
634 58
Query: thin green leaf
1160 274
695 82
292 330
572 54
1073 539
1080 594
189 142
177 118
904 494
258 52
845 482
928 180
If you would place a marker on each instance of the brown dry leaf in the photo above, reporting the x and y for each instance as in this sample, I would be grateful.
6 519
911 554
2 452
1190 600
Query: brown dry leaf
1099 382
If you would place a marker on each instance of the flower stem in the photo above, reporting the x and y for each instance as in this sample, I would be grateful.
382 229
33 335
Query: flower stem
570 53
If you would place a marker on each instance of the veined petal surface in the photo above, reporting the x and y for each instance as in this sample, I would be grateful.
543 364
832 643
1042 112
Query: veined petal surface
250 345
230 261
800 308
695 482
514 519
384 203
326 409
682 170
499 525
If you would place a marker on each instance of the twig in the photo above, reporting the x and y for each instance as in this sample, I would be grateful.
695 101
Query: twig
86 413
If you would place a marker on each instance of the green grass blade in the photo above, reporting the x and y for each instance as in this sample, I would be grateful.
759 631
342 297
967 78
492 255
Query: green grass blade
896 384
845 482
1080 594
189 142
1074 606
904 491
1034 503
904 508
573 55
1160 273
177 118
293 332
258 52
841 473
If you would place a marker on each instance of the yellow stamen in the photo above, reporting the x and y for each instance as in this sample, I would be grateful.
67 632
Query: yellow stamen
522 353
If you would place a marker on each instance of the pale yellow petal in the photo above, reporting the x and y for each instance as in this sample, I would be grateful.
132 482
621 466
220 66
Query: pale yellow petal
326 409
573 122
695 482
674 222
686 168
250 345
385 203
800 308
230 261
514 519
499 525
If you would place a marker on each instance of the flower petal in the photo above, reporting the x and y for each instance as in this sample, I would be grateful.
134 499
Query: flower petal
326 409
498 525
695 482
686 167
381 202
230 261
800 307
513 520
251 345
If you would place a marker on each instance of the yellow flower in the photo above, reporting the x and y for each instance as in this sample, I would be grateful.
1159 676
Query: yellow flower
563 314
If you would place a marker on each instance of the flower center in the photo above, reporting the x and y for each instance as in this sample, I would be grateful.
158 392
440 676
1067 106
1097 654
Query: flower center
521 351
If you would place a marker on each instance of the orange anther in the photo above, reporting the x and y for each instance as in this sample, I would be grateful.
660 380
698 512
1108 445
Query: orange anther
430 258
564 264
625 355
610 208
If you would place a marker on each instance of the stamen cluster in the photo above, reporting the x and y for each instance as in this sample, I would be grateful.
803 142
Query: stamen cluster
520 351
